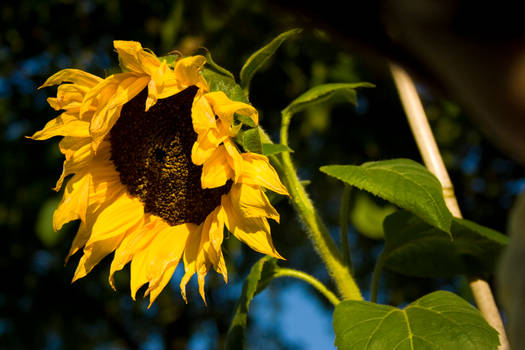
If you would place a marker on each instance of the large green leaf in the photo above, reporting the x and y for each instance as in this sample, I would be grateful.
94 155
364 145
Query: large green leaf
323 93
403 182
415 248
270 149
437 321
260 275
261 56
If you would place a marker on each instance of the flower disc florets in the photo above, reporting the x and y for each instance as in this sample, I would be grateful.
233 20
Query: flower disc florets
152 153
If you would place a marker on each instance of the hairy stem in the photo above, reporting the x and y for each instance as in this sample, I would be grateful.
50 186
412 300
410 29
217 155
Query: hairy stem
343 224
283 272
316 229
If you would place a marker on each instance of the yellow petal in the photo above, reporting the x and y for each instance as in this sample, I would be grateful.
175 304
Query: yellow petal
82 236
74 203
255 232
216 170
135 242
63 125
76 161
204 147
202 115
94 253
154 292
190 258
258 171
117 217
165 250
234 160
252 202
187 71
73 76
134 58
138 272
225 108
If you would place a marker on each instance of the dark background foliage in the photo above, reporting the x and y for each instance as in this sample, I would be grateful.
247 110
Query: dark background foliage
40 309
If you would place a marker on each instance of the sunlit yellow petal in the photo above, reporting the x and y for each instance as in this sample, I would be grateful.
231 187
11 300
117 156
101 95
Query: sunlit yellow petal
82 236
225 108
258 171
234 158
252 202
76 76
216 170
119 216
255 232
133 243
74 203
187 71
190 258
202 115
63 125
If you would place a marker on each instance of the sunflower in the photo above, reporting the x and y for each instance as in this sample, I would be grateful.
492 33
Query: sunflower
156 175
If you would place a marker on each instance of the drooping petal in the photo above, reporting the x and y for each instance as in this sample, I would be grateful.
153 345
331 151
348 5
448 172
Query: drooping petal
190 259
202 115
82 236
258 171
216 170
117 217
134 58
225 108
74 203
187 71
234 158
70 75
255 232
252 202
63 125
135 242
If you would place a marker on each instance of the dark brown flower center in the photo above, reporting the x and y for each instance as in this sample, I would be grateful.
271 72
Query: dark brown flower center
152 153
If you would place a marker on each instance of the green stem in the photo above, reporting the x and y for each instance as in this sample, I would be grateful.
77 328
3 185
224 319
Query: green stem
316 229
343 217
283 272
375 278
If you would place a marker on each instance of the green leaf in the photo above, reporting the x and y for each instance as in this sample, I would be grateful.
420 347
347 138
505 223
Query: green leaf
250 140
415 248
261 56
437 321
269 149
403 182
367 216
260 275
325 92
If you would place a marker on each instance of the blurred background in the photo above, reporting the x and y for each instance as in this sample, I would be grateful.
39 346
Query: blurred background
40 309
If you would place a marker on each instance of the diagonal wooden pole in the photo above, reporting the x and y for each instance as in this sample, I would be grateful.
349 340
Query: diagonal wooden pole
432 157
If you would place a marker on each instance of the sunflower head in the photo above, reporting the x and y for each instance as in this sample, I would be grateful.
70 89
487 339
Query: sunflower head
156 174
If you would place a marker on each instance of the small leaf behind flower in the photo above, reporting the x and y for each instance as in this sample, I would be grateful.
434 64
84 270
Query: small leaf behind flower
437 321
260 275
261 56
402 182
325 92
